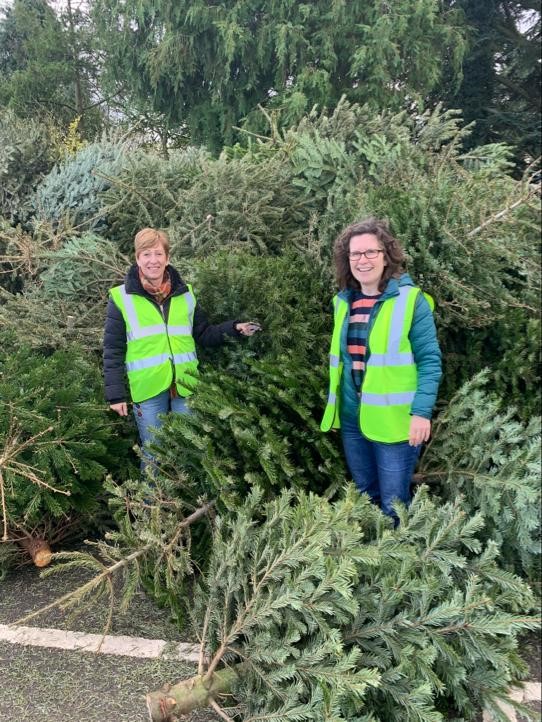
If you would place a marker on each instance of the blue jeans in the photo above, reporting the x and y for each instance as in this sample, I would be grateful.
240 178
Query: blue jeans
384 471
146 416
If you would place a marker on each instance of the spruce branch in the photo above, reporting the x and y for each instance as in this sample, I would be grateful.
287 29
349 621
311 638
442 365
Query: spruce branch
13 448
107 573
533 190
126 186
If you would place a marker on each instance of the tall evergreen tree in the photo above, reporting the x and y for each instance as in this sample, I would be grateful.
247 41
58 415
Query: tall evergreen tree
209 65
500 90
47 67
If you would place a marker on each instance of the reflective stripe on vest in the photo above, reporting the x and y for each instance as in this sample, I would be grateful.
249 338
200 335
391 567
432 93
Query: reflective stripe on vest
137 331
390 379
331 414
157 352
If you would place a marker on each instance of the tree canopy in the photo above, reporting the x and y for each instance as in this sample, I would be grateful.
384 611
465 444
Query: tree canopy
209 66
47 64
500 90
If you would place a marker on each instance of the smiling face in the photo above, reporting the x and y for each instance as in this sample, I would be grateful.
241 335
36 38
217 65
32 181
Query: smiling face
367 271
152 262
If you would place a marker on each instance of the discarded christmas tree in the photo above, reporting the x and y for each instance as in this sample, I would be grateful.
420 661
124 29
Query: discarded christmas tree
56 446
311 610
483 453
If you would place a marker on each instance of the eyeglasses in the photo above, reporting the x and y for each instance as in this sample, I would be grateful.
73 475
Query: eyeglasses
369 255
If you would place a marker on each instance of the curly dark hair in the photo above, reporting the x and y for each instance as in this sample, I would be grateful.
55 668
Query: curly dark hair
393 252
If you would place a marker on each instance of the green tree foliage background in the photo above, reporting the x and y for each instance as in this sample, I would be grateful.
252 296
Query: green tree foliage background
252 198
209 66
501 77
48 65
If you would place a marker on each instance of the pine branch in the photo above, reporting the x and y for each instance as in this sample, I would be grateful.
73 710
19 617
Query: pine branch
504 212
105 575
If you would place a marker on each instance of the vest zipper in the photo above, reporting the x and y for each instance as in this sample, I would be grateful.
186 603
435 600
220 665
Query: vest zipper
161 307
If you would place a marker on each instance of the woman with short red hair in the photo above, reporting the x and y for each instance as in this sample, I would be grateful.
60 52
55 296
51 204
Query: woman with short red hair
152 326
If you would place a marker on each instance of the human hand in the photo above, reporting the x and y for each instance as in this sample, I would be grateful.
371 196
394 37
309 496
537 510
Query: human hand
248 328
420 430
121 408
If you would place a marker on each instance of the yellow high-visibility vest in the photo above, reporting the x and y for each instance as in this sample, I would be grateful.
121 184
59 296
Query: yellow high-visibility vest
156 352
390 378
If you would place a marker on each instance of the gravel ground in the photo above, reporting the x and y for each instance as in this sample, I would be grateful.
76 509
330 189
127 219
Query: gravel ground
46 685
23 591
49 685
531 653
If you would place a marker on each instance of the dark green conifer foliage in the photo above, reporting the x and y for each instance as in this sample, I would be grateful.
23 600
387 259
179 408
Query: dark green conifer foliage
437 616
57 441
259 429
500 85
65 280
26 156
209 66
81 268
147 191
289 295
337 617
49 69
480 451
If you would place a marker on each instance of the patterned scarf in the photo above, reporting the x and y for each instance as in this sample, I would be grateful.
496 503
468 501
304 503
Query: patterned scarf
361 307
160 292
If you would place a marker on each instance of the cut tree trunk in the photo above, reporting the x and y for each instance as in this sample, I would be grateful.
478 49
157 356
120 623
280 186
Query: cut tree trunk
190 694
38 549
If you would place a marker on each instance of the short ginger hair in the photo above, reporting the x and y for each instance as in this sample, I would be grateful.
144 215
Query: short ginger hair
149 237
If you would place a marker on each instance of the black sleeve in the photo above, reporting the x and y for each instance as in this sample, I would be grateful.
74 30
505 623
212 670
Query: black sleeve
209 334
114 354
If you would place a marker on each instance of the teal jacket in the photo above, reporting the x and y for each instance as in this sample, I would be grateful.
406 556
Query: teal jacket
423 339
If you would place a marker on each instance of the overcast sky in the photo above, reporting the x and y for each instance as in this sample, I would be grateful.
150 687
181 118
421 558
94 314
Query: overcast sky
530 17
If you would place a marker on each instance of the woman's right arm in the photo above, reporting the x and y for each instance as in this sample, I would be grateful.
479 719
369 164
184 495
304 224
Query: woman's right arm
114 355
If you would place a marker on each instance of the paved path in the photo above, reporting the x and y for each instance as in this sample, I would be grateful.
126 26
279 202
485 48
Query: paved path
528 693
120 645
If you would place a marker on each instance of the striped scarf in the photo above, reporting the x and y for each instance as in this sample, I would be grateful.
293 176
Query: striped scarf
358 327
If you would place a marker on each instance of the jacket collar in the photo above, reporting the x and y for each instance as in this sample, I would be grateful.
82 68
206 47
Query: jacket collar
133 284
392 288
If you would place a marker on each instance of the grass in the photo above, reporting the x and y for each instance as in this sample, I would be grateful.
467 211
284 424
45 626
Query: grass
44 685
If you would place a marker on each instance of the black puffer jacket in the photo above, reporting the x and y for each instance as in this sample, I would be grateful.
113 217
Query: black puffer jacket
114 353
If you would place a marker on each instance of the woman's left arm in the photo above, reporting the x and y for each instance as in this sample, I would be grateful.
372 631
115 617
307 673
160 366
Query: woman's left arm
428 360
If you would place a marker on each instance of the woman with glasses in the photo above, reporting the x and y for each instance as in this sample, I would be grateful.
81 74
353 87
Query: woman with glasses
384 364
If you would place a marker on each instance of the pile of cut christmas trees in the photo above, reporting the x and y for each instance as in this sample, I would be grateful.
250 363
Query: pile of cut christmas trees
307 604
310 608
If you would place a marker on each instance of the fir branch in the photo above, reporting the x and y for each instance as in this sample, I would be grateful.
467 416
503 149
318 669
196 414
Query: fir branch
504 212
79 593
126 186
107 573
